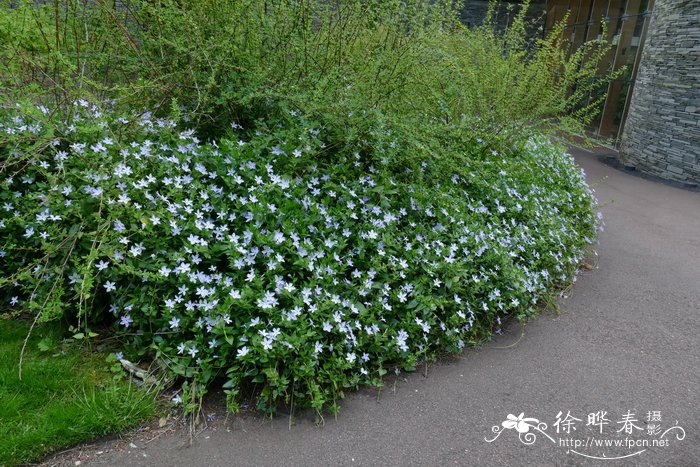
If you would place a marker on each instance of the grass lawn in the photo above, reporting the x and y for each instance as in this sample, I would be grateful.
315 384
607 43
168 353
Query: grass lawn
65 396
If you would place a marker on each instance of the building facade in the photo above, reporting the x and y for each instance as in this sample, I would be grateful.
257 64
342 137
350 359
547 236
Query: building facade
651 113
624 23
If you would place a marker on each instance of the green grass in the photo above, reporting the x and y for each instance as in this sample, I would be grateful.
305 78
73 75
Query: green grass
65 396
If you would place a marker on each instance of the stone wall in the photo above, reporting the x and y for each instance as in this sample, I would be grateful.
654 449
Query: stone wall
662 131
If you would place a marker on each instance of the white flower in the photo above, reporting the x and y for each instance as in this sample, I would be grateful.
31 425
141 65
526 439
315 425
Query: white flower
174 323
294 313
423 324
110 286
268 301
277 151
401 340
136 250
102 265
242 352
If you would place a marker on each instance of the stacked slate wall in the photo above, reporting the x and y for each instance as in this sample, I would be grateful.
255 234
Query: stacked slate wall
662 131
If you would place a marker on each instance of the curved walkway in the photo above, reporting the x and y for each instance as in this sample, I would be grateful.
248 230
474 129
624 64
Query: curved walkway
626 342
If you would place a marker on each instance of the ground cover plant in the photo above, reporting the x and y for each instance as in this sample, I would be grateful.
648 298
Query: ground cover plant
264 261
296 197
63 397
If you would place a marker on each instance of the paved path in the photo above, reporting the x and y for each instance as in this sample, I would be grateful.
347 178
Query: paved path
627 340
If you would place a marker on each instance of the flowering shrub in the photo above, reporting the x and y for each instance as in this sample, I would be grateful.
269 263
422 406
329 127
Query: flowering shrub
230 60
269 262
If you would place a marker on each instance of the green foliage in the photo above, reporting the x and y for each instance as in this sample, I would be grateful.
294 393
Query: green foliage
352 65
283 261
62 398
387 193
512 82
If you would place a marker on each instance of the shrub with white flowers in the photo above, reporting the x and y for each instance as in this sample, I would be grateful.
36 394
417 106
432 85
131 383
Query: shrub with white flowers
269 262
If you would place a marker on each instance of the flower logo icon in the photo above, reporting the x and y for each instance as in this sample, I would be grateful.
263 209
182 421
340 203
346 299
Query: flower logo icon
520 423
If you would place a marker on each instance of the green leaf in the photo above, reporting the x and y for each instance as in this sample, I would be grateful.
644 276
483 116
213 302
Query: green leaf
228 384
46 344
